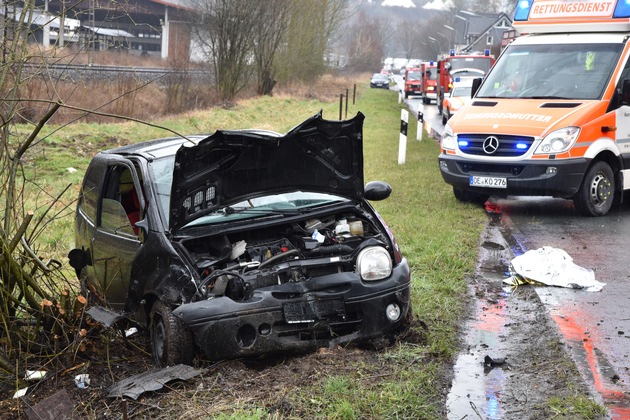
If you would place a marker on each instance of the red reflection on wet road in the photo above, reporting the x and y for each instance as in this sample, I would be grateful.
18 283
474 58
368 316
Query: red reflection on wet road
617 402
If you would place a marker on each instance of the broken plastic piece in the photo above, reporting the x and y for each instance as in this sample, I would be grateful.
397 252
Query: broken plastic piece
34 375
82 381
20 392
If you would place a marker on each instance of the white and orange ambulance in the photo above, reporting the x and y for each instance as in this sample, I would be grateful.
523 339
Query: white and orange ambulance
552 117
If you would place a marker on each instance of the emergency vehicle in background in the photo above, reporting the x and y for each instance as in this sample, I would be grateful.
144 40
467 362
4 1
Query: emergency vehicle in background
413 80
428 84
459 96
462 63
552 117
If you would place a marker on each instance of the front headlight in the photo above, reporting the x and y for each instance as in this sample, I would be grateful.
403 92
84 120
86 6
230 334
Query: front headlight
374 263
449 140
558 142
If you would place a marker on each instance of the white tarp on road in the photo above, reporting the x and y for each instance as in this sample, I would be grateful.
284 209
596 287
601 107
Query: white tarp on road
552 267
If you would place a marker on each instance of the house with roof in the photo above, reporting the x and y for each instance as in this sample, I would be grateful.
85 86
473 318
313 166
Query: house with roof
475 32
144 27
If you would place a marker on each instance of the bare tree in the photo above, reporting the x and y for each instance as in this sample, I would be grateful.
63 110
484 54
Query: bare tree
312 29
270 30
408 35
366 44
225 29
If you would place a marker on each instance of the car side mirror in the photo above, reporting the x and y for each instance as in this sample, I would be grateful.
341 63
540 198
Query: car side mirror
377 190
475 86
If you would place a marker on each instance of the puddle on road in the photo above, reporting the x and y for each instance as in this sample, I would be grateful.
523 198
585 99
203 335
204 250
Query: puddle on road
476 388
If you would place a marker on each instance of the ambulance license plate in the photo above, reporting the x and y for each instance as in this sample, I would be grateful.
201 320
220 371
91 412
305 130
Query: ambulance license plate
488 182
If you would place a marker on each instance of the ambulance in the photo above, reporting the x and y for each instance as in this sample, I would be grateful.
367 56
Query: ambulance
552 117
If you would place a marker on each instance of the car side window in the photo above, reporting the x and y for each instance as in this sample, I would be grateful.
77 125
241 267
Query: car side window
88 199
120 205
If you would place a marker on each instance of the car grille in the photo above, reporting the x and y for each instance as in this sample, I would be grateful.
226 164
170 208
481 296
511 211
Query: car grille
508 146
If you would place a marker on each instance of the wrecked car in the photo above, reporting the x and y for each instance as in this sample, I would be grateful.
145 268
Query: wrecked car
243 242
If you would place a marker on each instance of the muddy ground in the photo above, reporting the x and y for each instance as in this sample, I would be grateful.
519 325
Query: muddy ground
526 350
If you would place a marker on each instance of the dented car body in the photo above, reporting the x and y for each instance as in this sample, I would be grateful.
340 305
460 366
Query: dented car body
243 242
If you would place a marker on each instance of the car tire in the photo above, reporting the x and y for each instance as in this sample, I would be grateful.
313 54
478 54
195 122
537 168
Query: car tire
597 192
172 342
470 197
425 100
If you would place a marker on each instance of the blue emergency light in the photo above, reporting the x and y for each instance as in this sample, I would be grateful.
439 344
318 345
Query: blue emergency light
452 53
522 10
521 146
462 143
486 53
622 10
457 79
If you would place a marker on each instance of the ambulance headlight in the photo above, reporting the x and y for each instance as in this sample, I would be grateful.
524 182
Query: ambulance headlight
449 140
558 142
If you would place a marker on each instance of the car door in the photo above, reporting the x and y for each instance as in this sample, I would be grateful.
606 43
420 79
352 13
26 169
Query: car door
115 241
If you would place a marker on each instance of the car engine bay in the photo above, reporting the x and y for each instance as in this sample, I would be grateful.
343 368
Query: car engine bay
236 264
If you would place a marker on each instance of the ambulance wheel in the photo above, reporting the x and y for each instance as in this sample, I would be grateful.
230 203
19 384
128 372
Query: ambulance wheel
172 342
597 192
470 197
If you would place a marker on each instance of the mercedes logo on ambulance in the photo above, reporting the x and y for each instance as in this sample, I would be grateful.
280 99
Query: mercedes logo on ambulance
490 145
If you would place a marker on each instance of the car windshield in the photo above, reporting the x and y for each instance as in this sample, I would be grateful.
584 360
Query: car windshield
261 206
380 76
461 91
482 63
552 71
414 75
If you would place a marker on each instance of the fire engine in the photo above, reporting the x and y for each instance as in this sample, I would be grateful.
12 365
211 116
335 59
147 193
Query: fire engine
460 62
552 117
429 74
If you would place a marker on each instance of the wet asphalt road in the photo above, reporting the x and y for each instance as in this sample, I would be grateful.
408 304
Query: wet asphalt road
595 325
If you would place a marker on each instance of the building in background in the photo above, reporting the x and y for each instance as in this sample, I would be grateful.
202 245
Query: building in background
143 27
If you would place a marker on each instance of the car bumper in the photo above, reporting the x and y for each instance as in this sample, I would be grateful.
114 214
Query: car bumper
331 309
379 86
431 95
523 177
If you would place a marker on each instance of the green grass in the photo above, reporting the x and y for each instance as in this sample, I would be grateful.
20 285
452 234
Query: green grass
437 235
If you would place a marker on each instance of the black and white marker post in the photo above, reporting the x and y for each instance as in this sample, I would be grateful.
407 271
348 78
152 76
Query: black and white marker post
420 124
402 143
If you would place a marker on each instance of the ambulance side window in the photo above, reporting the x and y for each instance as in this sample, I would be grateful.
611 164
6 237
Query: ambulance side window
617 98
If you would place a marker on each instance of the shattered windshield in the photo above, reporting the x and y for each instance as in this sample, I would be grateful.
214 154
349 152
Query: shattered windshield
552 71
262 206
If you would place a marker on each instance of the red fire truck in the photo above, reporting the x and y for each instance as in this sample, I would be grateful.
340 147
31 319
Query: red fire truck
429 81
460 62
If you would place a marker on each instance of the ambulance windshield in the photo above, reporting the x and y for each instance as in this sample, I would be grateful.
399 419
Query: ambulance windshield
554 71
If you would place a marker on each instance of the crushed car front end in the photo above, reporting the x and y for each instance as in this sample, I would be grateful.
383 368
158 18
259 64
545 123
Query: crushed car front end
290 292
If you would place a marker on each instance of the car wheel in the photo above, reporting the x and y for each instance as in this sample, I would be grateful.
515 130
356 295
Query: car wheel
171 341
425 100
597 192
470 197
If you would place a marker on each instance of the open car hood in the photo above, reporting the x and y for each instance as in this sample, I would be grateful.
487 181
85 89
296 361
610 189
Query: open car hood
231 166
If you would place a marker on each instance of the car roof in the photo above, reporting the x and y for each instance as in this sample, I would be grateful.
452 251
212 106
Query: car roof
157 148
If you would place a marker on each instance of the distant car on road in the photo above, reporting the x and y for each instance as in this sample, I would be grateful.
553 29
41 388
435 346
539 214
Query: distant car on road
380 80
